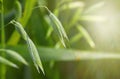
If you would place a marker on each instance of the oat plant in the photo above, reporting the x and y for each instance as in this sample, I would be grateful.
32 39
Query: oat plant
20 22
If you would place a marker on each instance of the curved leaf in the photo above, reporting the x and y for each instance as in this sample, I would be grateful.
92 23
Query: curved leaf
18 9
7 62
15 55
86 35
95 7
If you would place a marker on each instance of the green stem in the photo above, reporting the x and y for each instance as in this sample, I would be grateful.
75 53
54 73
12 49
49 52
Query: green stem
3 67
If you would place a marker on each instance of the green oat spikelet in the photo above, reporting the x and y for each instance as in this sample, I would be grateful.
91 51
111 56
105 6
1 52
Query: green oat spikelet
57 26
31 47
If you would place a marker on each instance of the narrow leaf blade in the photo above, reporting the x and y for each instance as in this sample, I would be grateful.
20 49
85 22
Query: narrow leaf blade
86 35
7 62
75 38
72 5
15 55
95 7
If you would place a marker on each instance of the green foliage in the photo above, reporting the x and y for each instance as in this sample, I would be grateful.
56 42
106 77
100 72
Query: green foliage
55 34
29 4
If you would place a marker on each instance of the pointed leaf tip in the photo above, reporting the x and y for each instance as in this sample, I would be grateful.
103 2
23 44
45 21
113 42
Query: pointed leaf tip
15 55
7 62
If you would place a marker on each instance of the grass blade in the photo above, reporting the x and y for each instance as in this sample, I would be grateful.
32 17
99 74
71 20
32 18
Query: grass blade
75 38
94 18
53 54
72 5
69 6
95 7
75 18
86 35
49 32
18 9
50 29
29 4
31 47
62 2
15 55
7 62
58 45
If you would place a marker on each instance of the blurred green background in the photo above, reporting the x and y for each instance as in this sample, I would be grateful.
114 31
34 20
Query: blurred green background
92 26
